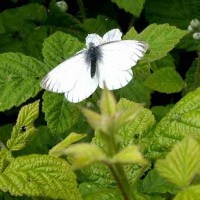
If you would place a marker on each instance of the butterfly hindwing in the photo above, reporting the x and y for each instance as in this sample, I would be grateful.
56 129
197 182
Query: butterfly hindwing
84 86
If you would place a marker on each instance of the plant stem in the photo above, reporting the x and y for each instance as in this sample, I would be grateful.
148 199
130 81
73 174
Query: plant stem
196 78
120 177
82 9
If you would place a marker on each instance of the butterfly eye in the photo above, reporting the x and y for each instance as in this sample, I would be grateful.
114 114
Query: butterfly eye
23 128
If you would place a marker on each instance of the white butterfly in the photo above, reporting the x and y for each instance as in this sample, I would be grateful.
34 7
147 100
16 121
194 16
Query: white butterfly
104 60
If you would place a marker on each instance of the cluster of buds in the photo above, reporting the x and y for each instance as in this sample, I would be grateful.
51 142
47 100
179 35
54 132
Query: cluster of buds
195 28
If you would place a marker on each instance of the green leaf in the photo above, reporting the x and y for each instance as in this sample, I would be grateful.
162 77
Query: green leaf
33 42
131 34
94 119
177 13
16 19
58 47
189 193
182 164
5 158
134 7
166 61
84 154
182 120
160 111
71 138
161 39
165 80
24 128
136 91
60 114
134 131
154 183
107 103
99 25
129 155
192 78
40 176
19 75
91 191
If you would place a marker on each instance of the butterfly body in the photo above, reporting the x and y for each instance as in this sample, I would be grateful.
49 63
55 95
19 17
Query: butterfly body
93 56
106 61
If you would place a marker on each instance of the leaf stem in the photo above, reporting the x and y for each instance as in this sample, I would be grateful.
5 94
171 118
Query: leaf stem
122 181
82 9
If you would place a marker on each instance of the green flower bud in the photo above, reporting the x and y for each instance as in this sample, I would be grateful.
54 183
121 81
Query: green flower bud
190 28
62 5
195 24
196 36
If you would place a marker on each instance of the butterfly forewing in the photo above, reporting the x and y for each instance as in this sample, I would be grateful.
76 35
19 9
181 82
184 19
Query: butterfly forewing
63 77
117 60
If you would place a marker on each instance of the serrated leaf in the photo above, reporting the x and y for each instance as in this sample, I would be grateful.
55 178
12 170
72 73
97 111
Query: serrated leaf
134 131
5 158
71 138
166 61
160 111
24 128
161 39
154 183
134 7
84 154
40 175
19 75
190 193
99 25
129 155
131 34
182 163
136 91
58 47
91 191
165 80
182 120
178 13
60 114
16 19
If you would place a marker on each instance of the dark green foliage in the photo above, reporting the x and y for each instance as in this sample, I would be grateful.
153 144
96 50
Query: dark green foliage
141 142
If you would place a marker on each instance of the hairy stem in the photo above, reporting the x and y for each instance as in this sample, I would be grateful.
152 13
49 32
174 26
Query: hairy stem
122 181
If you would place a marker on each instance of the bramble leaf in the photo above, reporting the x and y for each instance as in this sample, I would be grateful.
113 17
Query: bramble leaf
60 114
137 129
182 120
40 175
60 147
58 47
165 80
99 25
134 7
19 75
190 193
24 128
84 154
182 163
16 18
129 155
161 39
177 13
